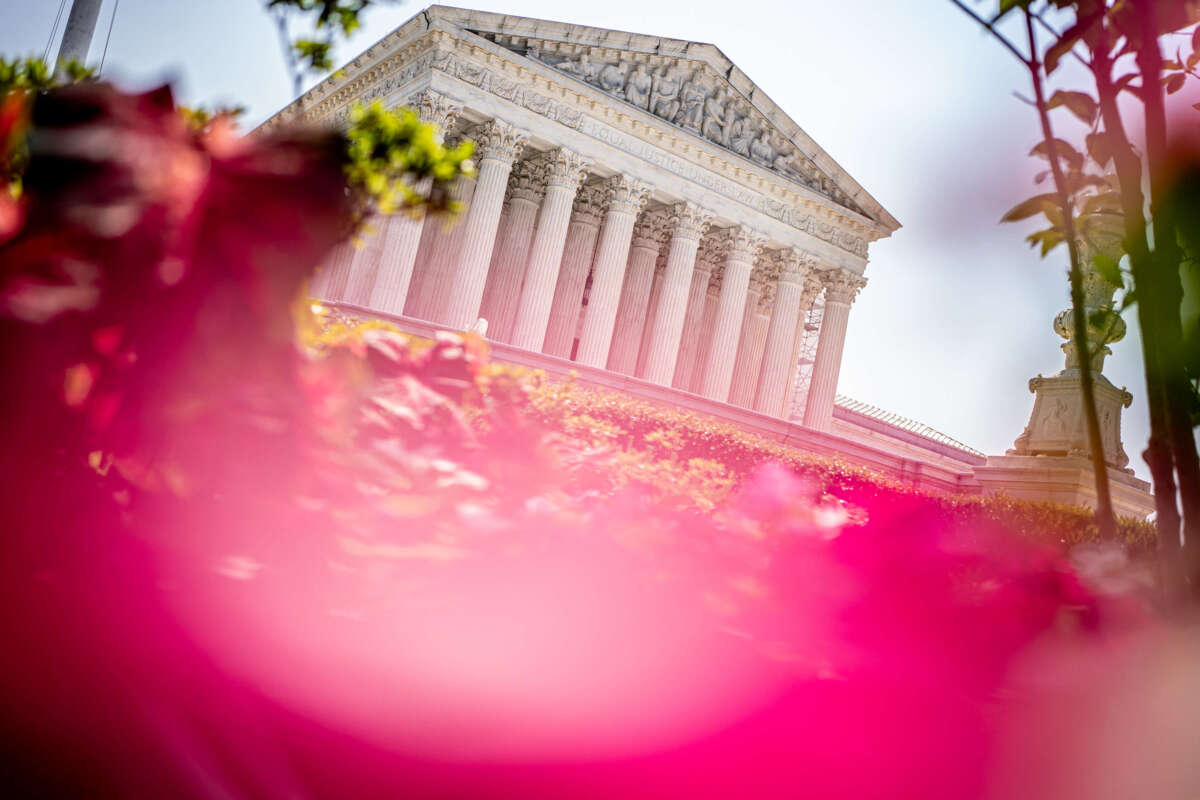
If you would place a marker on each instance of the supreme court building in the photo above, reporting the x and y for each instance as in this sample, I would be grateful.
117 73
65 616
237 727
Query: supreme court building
643 216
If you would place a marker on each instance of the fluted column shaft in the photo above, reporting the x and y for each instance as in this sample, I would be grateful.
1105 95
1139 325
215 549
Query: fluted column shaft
651 311
401 238
750 349
744 246
437 256
396 280
627 197
840 289
688 224
365 263
503 289
635 294
331 281
573 272
689 342
777 369
564 173
499 144
704 336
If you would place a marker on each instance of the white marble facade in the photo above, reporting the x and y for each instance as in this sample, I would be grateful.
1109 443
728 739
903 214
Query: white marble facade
640 206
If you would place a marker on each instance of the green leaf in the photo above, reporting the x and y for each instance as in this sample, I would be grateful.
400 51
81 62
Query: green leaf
1048 239
1080 104
1028 208
1007 6
1109 269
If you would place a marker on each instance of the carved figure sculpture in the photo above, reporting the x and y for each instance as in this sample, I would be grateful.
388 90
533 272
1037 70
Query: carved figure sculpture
637 87
713 128
611 80
664 95
692 97
733 115
761 149
583 69
741 136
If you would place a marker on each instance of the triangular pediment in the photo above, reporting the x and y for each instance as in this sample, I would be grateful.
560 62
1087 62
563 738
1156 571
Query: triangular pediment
690 85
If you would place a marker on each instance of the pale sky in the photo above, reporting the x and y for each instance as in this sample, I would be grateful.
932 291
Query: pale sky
909 97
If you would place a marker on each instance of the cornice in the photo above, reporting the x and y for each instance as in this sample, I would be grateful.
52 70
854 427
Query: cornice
401 56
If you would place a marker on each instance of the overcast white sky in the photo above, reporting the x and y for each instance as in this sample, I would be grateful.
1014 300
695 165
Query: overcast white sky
909 97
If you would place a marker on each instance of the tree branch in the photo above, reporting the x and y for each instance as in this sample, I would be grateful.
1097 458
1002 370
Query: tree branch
990 28
1047 26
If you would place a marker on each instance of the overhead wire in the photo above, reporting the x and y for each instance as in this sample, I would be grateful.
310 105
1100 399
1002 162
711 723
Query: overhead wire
50 40
107 38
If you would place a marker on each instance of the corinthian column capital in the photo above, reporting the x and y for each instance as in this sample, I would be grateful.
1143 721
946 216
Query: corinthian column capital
527 181
796 266
743 243
566 169
689 221
436 108
626 195
841 286
498 141
590 202
651 230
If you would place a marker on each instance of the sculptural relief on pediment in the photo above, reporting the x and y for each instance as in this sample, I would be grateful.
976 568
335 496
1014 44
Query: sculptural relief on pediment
690 95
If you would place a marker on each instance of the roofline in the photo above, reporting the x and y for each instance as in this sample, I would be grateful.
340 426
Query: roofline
885 224
721 64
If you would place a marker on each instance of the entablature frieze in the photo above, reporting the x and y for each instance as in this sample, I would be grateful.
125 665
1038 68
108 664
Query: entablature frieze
498 74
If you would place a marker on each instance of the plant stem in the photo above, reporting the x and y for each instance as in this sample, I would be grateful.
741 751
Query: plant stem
1165 265
1104 511
1158 454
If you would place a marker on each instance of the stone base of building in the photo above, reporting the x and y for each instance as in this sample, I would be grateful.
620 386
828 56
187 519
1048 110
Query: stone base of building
1063 479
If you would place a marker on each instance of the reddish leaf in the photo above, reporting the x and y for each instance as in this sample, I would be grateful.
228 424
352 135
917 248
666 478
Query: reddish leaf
1099 147
1080 104
1062 149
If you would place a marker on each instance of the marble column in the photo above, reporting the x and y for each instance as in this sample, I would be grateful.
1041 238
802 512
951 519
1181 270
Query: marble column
626 198
704 334
365 263
649 234
498 144
812 290
436 256
564 171
742 250
688 223
401 236
331 279
753 339
526 184
708 260
660 268
392 277
778 363
586 217
841 287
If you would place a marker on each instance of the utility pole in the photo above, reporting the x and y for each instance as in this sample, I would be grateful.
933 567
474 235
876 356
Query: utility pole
77 37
